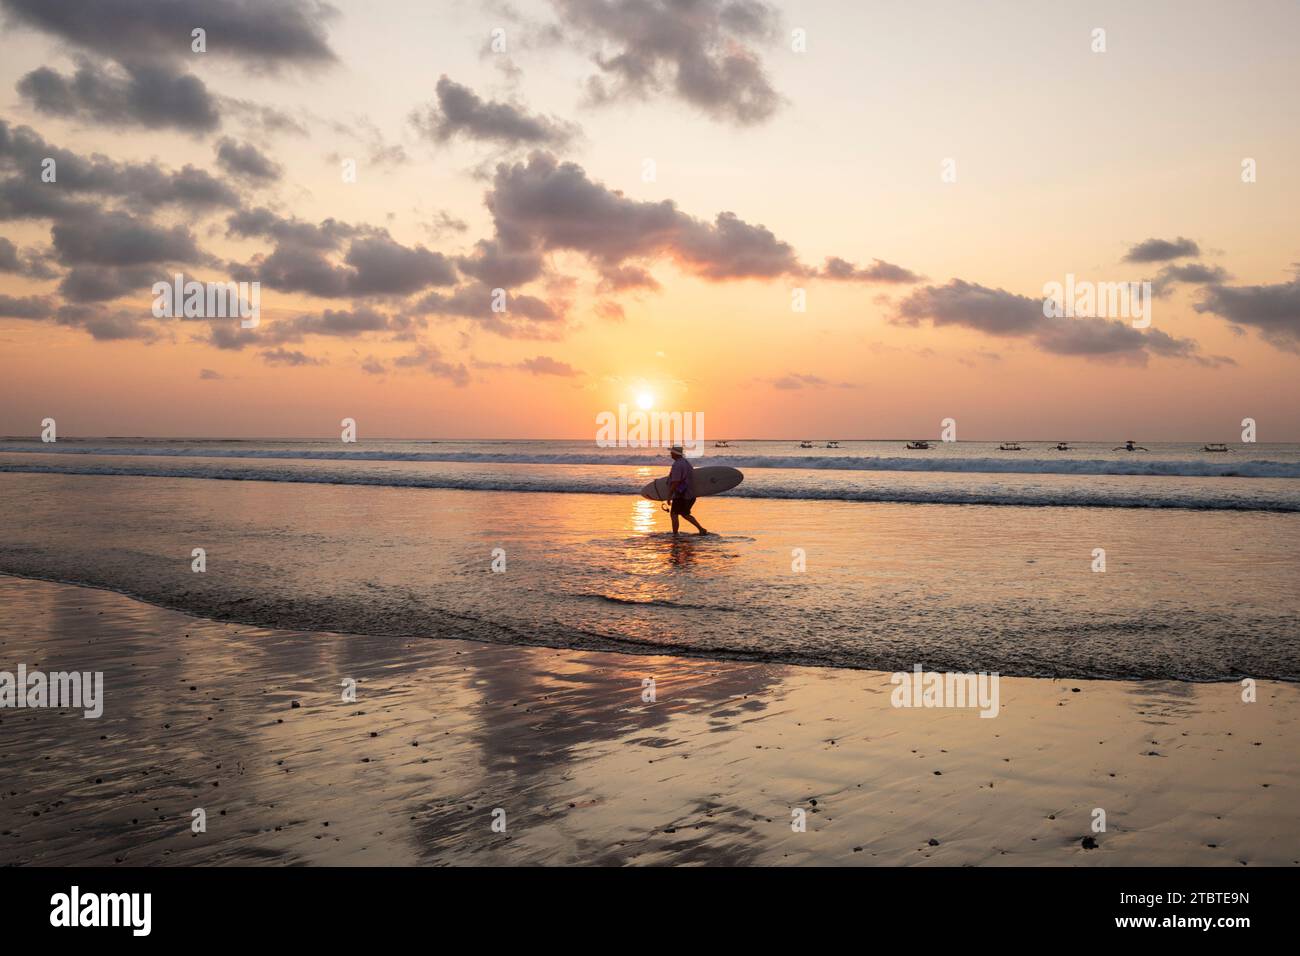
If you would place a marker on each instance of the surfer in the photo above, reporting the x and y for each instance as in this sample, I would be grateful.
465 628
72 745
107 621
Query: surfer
681 489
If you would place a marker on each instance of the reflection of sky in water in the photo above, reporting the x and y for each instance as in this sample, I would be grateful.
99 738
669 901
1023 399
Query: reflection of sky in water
1186 593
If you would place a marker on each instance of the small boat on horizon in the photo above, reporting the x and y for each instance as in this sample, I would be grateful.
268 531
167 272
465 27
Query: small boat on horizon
1062 446
722 444
1216 446
806 444
1129 446
832 444
1010 446
919 445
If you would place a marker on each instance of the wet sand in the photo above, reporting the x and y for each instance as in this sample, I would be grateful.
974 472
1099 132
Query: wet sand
200 714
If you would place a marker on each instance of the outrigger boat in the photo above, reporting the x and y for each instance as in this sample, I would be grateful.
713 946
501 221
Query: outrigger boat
1010 446
1216 446
1062 446
806 444
1129 446
918 445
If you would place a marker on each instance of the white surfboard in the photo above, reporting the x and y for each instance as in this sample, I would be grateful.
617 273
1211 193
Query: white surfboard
709 480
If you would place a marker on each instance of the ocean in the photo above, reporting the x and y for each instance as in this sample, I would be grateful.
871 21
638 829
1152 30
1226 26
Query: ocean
962 557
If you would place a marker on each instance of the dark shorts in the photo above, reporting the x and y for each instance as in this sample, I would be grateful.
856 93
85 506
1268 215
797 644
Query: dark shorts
682 506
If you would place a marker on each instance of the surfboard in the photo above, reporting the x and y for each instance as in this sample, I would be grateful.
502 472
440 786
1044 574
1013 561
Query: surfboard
709 480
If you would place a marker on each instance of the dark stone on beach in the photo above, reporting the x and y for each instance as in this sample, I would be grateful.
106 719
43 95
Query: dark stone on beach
1088 843
294 705
933 842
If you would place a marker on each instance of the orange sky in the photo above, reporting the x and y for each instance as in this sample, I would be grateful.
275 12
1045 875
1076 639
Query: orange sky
1067 159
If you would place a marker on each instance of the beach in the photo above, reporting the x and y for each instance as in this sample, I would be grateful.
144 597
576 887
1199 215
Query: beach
430 661
249 724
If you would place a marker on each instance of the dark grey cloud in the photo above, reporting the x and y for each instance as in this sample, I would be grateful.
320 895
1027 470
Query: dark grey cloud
1191 273
247 162
1272 310
460 112
105 325
704 52
374 263
385 267
1162 250
545 205
879 271
526 316
498 268
26 307
210 375
146 185
374 266
24 262
91 283
263 34
151 95
1006 314
260 221
282 356
119 239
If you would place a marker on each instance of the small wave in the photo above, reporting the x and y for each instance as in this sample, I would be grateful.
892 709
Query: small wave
1089 497
1185 468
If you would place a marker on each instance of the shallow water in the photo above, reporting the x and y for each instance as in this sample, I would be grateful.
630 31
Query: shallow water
1198 595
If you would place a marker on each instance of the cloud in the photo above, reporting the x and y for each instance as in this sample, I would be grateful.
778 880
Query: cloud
702 52
1001 313
25 262
374 264
106 326
385 267
460 112
147 185
1162 250
1272 310
282 356
91 283
429 359
546 205
795 380
498 268
262 34
1192 273
208 375
27 307
543 365
154 96
247 162
879 271
525 316
119 239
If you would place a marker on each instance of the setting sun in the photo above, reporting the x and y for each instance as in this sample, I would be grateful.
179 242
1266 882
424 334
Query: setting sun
645 400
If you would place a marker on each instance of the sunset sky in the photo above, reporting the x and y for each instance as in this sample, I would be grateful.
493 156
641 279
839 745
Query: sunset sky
773 170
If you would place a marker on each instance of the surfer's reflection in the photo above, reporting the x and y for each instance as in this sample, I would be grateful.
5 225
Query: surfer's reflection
682 552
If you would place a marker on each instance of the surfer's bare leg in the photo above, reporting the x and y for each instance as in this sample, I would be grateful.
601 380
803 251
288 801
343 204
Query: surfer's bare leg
674 517
699 527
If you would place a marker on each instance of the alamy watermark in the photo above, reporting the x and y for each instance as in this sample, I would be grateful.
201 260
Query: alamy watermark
191 299
651 429
77 690
1082 298
922 688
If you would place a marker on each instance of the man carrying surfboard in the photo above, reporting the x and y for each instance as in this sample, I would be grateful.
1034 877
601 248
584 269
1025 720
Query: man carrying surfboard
681 489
